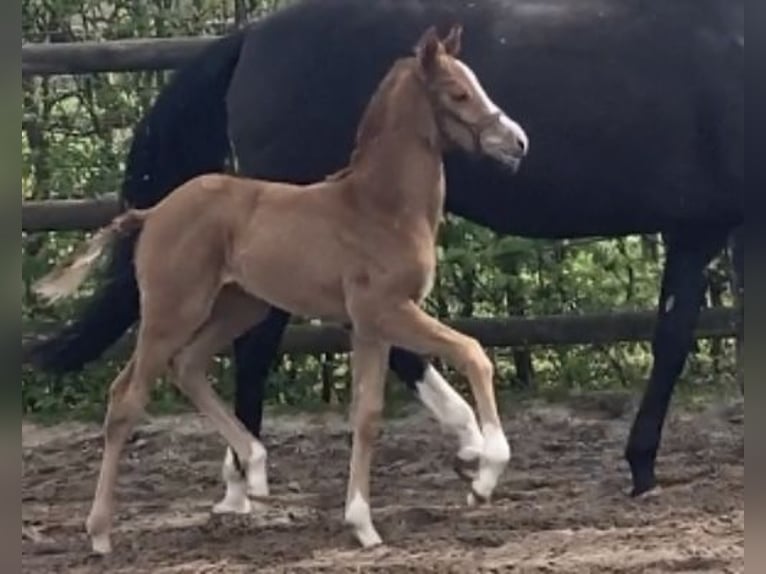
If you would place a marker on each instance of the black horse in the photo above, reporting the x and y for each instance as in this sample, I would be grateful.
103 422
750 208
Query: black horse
634 110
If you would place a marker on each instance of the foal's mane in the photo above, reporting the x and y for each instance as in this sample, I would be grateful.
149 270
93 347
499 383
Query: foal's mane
375 113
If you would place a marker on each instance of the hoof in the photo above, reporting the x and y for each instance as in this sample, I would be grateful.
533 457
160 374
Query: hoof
368 537
233 505
225 507
643 482
645 493
257 488
476 499
466 469
101 544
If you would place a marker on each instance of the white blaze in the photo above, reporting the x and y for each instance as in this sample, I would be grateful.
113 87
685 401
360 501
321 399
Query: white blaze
492 108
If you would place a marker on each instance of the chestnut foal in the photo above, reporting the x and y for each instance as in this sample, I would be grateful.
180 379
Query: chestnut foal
358 247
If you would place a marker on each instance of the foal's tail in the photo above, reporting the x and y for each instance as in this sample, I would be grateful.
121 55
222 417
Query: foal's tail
64 279
184 134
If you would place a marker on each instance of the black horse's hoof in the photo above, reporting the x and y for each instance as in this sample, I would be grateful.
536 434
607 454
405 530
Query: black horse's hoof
641 462
643 484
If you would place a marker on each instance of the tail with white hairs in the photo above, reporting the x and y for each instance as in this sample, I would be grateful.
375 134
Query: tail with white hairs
64 279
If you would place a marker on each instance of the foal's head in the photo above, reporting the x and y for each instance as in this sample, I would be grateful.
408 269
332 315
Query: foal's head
466 117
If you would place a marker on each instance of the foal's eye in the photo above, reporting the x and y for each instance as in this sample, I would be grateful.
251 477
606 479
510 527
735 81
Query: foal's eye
459 96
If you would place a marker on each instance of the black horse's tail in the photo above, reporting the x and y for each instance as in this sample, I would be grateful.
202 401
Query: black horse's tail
184 134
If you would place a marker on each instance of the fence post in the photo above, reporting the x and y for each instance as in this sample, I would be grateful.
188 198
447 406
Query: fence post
240 13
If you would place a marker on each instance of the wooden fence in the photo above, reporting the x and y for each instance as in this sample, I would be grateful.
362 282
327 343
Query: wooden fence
113 56
89 214
597 328
142 55
68 214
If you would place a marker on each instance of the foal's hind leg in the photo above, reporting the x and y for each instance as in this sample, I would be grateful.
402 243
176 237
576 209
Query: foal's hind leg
129 394
172 307
126 403
233 313
368 364
406 325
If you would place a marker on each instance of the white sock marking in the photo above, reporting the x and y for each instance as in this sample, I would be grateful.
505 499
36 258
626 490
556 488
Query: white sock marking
358 517
452 411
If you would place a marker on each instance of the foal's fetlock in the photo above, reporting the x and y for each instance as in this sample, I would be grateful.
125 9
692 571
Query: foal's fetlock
494 459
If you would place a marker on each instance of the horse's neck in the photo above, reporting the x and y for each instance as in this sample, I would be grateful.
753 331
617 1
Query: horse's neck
399 171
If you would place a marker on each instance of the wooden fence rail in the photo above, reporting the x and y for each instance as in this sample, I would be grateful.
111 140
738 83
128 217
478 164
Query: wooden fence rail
110 56
89 214
68 214
600 328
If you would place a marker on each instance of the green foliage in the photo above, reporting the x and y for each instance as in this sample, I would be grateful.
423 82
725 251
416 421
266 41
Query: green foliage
74 139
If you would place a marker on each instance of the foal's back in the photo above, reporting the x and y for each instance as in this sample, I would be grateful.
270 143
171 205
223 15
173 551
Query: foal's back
287 244
293 246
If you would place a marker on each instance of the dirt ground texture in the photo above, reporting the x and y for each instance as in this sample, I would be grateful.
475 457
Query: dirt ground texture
561 506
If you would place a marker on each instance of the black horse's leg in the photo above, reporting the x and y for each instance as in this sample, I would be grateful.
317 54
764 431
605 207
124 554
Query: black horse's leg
738 251
254 354
681 296
444 403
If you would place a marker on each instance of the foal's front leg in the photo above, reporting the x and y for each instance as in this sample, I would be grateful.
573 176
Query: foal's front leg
368 363
409 326
445 404
127 400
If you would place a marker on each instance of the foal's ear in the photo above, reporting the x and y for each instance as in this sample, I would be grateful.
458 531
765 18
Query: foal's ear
452 41
427 49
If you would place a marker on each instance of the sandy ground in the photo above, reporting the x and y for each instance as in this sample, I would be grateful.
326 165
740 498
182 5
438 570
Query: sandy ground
561 507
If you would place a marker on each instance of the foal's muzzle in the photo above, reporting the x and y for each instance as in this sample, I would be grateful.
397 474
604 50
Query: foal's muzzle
503 140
